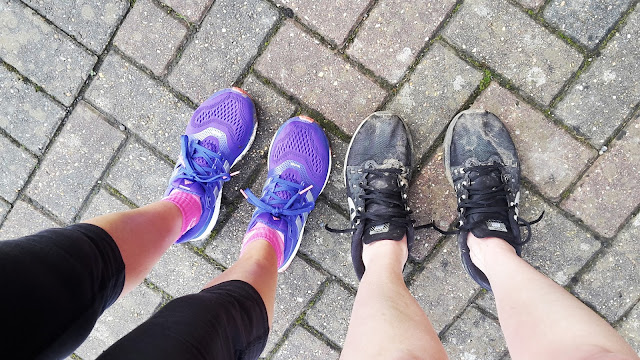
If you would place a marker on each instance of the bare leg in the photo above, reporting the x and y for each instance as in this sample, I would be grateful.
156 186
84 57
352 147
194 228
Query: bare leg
142 235
258 266
541 320
386 321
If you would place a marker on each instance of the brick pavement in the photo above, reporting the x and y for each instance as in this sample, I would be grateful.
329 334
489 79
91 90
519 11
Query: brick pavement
93 96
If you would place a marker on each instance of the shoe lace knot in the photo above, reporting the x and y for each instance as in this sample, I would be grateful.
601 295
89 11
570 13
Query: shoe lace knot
209 169
282 198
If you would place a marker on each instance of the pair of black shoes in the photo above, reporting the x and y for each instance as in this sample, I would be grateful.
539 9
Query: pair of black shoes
481 164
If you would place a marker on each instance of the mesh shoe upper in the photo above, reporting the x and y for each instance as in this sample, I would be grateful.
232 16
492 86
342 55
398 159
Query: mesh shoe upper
377 173
482 164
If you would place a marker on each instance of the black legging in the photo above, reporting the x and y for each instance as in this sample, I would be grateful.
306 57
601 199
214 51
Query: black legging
55 284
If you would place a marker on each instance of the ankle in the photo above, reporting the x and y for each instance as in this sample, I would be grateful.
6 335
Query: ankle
387 254
486 252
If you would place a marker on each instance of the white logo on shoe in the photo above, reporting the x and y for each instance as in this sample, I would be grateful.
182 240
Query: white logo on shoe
379 229
495 225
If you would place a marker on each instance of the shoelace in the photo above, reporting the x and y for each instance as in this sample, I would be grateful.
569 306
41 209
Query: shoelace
487 200
273 203
394 208
214 171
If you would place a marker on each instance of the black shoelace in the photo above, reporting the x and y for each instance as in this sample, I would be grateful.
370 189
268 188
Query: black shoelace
392 209
484 200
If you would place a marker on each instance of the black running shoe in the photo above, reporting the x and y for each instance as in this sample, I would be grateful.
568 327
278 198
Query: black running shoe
482 164
377 173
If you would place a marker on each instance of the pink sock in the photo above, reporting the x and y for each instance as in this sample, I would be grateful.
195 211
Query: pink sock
263 232
189 206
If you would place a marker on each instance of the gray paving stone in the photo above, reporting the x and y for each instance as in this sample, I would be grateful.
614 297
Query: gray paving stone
439 86
181 272
330 315
193 10
140 175
333 19
630 328
537 141
443 288
332 251
4 209
323 80
273 111
607 194
587 21
335 189
607 92
612 285
228 38
103 203
140 103
302 345
394 33
118 320
487 301
497 33
90 22
474 336
296 287
26 114
431 198
151 36
16 164
24 220
531 4
42 53
558 248
75 162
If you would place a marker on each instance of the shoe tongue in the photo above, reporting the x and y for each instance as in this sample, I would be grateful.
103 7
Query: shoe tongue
389 230
210 143
490 224
290 175
189 186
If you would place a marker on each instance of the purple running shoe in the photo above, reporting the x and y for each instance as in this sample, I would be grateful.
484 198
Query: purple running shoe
219 133
299 165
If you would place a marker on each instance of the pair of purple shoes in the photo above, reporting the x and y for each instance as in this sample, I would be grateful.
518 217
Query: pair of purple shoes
219 134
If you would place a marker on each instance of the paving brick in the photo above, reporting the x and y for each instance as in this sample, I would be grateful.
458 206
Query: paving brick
24 220
630 328
333 19
531 4
439 86
335 189
537 141
4 209
302 345
151 36
431 198
443 288
103 203
612 285
394 32
296 287
323 80
474 336
497 33
587 21
140 175
16 165
227 41
607 194
118 320
332 251
193 10
90 22
140 103
26 114
75 162
42 53
487 301
273 110
607 92
226 245
181 272
330 315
